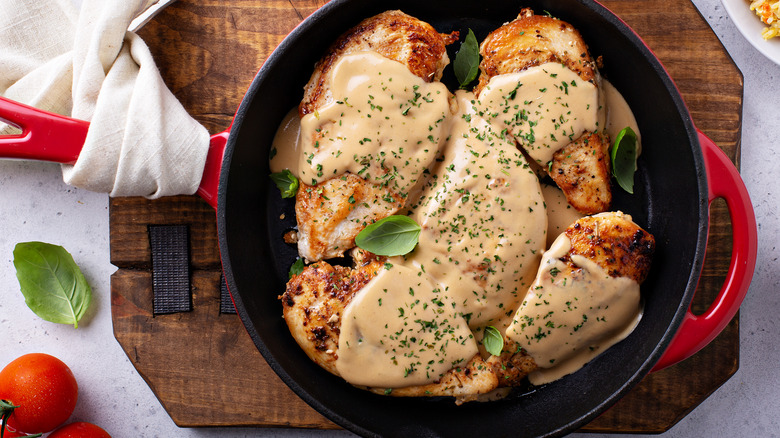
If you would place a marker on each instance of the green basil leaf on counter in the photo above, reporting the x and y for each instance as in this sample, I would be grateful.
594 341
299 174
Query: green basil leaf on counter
493 341
297 267
286 182
466 64
624 154
391 236
53 286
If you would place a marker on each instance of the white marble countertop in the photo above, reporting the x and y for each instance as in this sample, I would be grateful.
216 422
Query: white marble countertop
39 206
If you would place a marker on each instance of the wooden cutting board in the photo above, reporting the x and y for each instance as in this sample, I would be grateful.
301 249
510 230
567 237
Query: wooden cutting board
203 366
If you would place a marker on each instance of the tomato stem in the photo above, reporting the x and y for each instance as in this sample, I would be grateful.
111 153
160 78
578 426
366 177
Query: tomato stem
6 409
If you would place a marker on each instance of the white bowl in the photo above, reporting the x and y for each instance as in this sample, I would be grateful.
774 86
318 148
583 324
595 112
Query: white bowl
750 26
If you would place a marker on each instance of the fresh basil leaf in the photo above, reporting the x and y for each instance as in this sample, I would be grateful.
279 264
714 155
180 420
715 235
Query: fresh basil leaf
391 236
624 157
296 268
466 64
493 341
286 182
52 284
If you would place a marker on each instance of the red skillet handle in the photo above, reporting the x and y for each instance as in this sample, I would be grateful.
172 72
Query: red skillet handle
51 137
695 331
209 183
45 136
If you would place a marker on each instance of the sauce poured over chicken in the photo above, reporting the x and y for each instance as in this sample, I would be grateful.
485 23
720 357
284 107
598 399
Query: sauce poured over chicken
582 168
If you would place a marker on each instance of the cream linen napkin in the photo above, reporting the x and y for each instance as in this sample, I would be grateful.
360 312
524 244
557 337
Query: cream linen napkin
85 64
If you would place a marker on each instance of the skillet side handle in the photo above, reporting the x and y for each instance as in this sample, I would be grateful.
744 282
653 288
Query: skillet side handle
696 332
45 136
209 183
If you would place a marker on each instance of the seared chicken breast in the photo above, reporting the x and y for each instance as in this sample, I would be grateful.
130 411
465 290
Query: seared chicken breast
392 34
314 303
465 383
315 299
532 40
551 327
581 169
331 213
613 241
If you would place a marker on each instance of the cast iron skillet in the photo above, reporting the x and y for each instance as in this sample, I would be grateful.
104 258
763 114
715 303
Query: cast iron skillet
671 201
672 194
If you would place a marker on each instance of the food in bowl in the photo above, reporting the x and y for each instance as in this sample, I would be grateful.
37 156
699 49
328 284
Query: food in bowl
378 137
768 12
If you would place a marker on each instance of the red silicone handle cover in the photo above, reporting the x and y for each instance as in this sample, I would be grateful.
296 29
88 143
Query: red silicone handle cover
696 331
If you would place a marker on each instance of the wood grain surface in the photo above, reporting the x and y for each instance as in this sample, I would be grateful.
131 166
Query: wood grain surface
203 366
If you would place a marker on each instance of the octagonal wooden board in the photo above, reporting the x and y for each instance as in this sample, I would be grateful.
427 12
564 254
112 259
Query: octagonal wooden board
203 366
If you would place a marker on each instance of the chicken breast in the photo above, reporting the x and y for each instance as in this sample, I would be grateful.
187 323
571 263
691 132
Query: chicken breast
512 366
393 34
580 169
332 212
315 299
532 40
465 383
313 305
614 242
586 296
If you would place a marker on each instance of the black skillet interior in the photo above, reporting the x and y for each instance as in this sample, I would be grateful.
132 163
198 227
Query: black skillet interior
669 200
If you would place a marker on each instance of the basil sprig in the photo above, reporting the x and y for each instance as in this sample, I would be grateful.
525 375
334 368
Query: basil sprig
296 268
466 64
624 154
493 341
53 286
286 182
392 236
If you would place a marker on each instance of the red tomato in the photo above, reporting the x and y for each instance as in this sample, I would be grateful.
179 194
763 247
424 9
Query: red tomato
44 389
79 429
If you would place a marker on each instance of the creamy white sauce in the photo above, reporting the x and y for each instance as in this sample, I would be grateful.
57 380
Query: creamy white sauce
559 213
285 150
483 220
483 230
544 108
619 114
401 329
483 216
383 123
570 316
